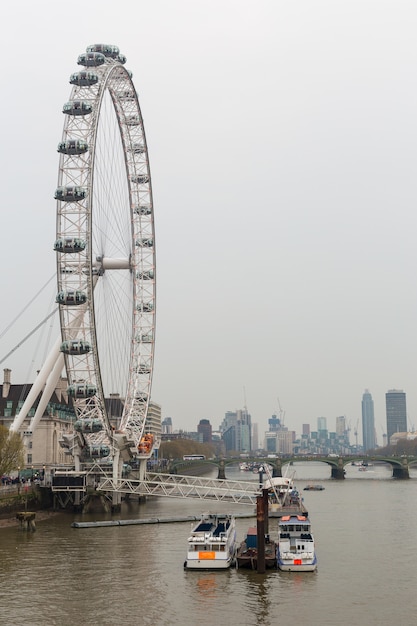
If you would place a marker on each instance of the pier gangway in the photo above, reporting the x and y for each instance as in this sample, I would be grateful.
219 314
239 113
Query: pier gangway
176 486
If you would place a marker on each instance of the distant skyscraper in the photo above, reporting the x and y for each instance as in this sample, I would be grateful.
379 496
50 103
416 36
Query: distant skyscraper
204 431
321 423
167 425
255 442
340 425
236 430
274 423
396 412
368 422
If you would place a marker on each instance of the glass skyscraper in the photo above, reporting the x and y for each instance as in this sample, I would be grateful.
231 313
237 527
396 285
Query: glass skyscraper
396 412
368 422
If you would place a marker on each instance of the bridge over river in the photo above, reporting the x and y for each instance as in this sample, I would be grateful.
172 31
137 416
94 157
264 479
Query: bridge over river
400 464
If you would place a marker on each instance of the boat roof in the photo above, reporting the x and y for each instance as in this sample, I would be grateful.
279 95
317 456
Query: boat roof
278 481
293 519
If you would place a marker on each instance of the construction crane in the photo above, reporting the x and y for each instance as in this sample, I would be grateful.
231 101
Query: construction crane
383 435
355 432
347 432
281 413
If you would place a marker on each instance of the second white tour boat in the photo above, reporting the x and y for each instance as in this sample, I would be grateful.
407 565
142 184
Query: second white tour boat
296 551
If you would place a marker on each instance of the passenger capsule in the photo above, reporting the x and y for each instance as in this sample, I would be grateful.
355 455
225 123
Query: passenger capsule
122 59
126 469
145 307
143 368
145 338
71 298
140 179
127 94
83 79
75 346
91 59
137 148
95 452
70 194
143 209
89 425
133 120
77 107
145 444
69 245
144 243
103 48
99 452
146 275
72 146
81 390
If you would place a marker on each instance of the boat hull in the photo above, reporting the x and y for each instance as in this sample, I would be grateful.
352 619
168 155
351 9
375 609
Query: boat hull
290 567
206 564
297 565
252 563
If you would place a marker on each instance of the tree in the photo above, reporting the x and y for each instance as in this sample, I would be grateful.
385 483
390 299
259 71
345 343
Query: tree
11 451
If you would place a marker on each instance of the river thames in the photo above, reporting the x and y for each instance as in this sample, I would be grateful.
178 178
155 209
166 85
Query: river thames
366 535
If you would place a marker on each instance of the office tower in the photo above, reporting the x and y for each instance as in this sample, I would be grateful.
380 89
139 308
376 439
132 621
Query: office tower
321 423
255 442
274 423
368 422
204 431
306 430
236 430
396 412
340 425
167 425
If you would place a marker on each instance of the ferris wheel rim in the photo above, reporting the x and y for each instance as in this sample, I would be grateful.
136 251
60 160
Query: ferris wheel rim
78 194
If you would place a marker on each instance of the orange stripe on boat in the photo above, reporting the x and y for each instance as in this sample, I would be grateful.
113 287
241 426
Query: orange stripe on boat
206 555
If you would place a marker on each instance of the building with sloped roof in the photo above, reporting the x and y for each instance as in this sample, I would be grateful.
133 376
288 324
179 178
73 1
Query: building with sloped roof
42 445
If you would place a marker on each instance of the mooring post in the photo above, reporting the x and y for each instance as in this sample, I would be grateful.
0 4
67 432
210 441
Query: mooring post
266 512
27 520
260 527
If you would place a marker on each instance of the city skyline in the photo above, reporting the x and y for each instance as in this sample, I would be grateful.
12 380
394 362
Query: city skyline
364 432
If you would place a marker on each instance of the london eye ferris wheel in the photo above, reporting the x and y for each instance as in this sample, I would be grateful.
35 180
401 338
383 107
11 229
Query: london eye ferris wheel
105 245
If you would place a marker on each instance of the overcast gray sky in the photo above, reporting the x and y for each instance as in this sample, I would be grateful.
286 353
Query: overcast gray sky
283 147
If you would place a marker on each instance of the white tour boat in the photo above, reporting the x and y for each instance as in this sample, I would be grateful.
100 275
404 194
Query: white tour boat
212 543
296 551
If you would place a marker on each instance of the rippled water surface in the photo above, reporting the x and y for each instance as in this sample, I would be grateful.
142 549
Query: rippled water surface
366 533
